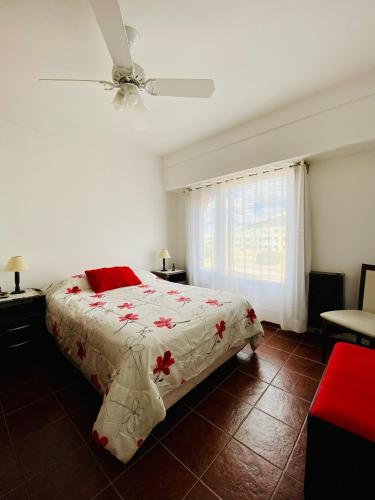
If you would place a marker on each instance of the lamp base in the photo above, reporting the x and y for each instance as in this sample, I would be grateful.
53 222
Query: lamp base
16 292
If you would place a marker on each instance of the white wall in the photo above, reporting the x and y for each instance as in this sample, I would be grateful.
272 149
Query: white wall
337 117
342 217
177 228
71 202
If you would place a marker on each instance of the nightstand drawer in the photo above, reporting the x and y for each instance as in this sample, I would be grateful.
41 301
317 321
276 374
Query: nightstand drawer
17 335
177 278
21 312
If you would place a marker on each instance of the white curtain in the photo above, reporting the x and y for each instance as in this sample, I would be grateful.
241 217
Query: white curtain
251 236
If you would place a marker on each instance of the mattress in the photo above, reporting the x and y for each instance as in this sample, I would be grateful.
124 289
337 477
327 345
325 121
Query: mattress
139 344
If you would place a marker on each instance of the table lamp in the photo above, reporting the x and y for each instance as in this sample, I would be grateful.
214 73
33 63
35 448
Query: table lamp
15 265
164 254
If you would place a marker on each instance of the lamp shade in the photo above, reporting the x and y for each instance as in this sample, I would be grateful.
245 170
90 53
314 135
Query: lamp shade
164 254
16 264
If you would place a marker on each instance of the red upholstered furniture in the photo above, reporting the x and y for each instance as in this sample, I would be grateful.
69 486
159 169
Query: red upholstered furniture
340 454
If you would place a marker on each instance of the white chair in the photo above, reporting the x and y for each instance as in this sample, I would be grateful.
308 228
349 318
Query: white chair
360 321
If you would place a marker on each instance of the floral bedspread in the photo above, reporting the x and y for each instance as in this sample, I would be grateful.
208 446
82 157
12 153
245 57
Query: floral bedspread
136 344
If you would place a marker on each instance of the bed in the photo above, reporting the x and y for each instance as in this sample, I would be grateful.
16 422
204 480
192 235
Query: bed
143 347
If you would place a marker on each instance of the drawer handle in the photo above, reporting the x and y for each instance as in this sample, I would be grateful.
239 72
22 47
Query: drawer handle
18 328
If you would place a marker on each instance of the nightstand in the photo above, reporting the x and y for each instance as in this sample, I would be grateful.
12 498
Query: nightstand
22 318
177 276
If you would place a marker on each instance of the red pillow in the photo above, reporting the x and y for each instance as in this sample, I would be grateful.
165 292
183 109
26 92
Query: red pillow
108 278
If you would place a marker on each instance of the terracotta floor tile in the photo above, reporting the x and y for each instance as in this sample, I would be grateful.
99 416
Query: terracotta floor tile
273 355
39 451
312 338
198 394
75 477
158 475
296 466
76 395
305 367
289 489
26 394
256 366
84 417
201 492
61 377
224 410
174 415
10 475
196 453
16 376
283 342
268 330
4 439
244 387
108 494
295 383
111 465
284 406
221 373
33 417
19 493
268 437
240 474
309 351
290 335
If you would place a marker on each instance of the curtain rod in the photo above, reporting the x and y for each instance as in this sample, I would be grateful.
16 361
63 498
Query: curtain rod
302 162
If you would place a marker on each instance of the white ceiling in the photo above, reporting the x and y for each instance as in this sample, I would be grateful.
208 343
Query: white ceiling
261 54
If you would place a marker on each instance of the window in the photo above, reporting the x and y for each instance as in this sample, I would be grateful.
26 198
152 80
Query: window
248 220
249 236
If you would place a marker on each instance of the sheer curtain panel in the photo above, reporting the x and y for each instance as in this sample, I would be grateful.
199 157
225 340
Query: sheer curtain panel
251 236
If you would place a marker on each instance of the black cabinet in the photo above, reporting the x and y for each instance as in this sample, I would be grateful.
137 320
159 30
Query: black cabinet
178 276
22 318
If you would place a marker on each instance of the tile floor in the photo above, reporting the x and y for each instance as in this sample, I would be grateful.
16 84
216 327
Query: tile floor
239 435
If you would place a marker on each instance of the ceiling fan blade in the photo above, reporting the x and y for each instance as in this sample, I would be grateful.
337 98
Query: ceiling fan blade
179 87
102 82
108 16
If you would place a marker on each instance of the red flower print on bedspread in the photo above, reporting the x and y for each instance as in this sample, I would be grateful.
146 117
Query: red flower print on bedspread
81 351
251 315
163 364
143 285
126 305
97 304
149 291
213 302
98 295
220 327
74 289
101 441
173 292
183 299
164 322
128 318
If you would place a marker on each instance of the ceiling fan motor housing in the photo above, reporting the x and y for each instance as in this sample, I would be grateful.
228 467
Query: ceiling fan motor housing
120 75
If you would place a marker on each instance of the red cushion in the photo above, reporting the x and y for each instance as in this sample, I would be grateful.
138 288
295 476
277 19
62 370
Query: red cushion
108 278
346 396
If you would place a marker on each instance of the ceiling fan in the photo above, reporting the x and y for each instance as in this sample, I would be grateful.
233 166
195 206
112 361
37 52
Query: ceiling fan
127 76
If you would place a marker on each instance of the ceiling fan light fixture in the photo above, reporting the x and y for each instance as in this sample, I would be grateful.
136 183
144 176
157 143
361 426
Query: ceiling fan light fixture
118 101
